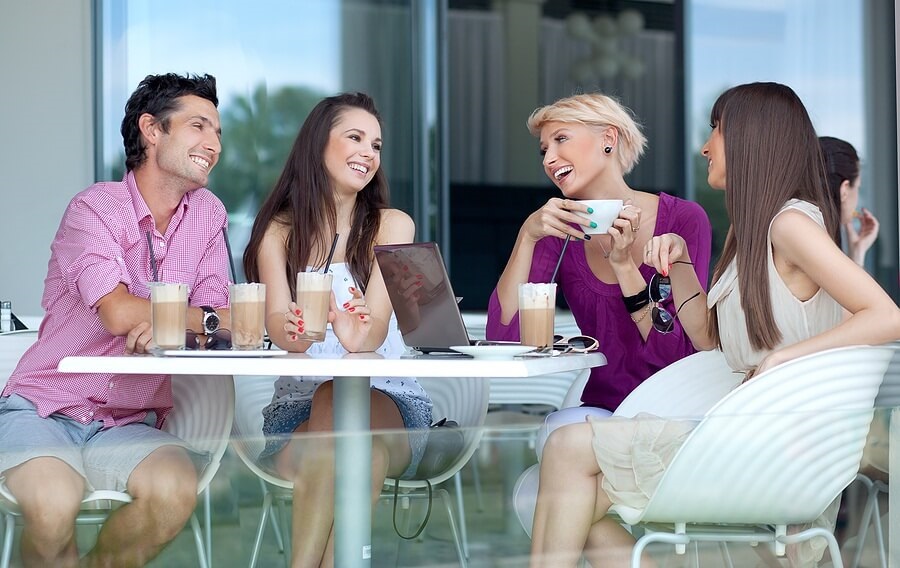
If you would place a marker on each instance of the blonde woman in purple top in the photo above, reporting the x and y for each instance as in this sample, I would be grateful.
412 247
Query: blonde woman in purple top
588 143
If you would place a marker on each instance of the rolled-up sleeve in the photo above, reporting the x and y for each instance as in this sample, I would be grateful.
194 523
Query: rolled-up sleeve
89 256
211 285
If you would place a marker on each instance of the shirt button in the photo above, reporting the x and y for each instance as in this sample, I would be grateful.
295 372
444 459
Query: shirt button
112 384
91 414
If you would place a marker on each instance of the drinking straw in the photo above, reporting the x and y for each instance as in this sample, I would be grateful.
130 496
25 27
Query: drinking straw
558 262
331 253
152 257
230 257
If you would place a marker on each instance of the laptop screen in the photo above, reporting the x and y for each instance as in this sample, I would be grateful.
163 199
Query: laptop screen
423 300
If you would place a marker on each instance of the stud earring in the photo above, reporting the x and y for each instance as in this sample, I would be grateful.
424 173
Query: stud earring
607 150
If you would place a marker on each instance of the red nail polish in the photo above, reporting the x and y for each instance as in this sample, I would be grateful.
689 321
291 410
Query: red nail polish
352 310
418 283
362 316
420 276
297 312
300 328
346 305
352 289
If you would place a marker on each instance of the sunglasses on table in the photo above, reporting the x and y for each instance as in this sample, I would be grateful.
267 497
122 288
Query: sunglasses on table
563 345
659 290
219 340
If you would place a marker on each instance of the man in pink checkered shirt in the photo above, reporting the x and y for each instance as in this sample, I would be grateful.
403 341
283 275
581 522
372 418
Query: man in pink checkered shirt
64 434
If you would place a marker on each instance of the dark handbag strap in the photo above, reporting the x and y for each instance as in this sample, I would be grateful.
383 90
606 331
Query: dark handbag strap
424 521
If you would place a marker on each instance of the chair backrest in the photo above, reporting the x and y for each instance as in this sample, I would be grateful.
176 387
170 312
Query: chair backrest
776 450
687 387
12 347
464 400
889 393
252 394
202 415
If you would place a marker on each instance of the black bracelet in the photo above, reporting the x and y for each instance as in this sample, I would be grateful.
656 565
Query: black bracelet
636 302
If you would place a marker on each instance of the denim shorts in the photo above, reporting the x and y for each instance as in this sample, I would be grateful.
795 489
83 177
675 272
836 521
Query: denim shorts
104 457
281 419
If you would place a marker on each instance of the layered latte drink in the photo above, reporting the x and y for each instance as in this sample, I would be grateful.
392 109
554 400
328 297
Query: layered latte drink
537 308
168 314
313 298
248 315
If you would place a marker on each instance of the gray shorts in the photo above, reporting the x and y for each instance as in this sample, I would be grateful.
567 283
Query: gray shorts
105 458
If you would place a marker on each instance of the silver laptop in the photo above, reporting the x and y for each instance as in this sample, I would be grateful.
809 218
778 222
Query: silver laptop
423 300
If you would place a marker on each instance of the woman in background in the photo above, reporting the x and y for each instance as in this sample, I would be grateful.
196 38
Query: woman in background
843 176
333 184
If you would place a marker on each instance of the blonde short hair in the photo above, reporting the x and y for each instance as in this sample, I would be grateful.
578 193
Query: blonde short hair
596 111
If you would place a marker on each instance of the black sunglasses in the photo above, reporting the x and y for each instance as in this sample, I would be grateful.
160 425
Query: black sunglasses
219 340
576 344
659 290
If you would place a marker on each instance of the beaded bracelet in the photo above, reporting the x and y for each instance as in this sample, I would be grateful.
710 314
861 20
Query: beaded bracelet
636 302
643 315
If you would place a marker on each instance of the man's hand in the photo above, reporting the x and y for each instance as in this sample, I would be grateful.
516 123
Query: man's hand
139 339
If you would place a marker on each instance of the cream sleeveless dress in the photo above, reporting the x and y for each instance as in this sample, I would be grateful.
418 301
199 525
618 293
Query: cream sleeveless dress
292 399
634 453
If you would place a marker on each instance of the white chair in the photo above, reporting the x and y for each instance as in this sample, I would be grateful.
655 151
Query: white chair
888 398
774 452
202 415
688 387
462 400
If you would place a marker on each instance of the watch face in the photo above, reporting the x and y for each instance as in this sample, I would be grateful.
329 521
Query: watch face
211 322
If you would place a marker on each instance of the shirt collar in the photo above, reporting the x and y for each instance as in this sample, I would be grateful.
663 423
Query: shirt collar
142 212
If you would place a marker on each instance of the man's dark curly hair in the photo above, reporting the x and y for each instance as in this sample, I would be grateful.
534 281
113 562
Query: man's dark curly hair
158 95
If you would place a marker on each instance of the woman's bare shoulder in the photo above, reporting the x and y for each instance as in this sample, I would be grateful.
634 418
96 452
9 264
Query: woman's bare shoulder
396 227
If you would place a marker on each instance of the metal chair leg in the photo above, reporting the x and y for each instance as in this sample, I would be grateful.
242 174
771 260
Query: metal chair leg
261 529
445 498
460 506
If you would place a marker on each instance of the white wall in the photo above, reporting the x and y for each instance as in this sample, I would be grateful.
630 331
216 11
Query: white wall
46 134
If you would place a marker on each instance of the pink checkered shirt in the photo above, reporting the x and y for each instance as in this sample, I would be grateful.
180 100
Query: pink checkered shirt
101 242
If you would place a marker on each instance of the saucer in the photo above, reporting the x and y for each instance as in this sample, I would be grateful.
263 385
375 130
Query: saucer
495 352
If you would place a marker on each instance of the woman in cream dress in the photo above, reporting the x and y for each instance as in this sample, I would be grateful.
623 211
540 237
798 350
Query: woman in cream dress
778 293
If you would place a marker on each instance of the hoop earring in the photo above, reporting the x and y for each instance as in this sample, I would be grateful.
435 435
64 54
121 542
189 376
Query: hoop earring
607 150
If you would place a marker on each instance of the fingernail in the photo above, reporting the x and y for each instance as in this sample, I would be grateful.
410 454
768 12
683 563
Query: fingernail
418 283
420 276
300 328
352 310
665 272
346 305
587 237
297 312
593 225
590 209
362 316
292 337
352 289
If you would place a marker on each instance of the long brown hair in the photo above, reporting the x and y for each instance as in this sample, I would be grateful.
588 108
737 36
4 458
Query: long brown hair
303 200
771 155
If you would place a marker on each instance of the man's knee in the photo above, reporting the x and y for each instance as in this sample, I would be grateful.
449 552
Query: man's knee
166 481
49 493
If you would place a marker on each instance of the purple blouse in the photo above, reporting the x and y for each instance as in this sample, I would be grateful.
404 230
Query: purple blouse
600 312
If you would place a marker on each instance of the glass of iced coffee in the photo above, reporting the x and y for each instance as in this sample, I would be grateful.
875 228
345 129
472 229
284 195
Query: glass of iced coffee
313 298
248 315
168 314
537 308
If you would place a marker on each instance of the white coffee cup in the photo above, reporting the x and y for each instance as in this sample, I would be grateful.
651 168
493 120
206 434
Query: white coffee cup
604 213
